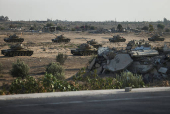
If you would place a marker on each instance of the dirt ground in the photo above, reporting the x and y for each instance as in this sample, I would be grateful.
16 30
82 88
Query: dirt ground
45 51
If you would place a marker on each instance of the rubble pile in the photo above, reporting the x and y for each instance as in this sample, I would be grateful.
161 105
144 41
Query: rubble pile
141 60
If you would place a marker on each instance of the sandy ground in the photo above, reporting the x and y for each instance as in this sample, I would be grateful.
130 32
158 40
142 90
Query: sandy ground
45 51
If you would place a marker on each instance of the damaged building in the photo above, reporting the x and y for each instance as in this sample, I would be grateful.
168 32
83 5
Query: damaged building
140 59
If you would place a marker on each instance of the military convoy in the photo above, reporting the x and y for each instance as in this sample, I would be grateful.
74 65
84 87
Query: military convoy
13 38
117 38
94 43
156 37
84 50
60 38
17 50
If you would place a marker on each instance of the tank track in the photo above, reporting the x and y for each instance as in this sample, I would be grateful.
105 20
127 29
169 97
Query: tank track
16 53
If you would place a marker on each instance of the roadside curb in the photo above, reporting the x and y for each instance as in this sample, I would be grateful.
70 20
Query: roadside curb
81 93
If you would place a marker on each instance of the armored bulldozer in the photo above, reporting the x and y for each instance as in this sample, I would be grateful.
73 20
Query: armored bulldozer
13 38
117 38
137 43
84 50
94 43
156 38
17 50
60 38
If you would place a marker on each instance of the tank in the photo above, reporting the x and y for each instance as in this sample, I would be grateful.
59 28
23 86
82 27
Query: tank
17 50
117 38
13 38
156 37
60 38
94 43
137 43
84 50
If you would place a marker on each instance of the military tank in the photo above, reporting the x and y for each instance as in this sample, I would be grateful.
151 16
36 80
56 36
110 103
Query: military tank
117 38
94 43
60 38
84 50
17 50
156 38
137 43
13 38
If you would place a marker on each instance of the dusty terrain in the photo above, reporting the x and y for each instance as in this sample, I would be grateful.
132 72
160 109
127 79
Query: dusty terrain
45 51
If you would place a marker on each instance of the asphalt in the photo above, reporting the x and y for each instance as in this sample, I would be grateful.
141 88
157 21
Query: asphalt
138 101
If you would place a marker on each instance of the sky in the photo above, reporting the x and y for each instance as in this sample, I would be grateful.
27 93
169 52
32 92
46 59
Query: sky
86 10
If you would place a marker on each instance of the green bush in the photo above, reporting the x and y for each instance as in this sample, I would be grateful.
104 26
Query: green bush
61 58
51 83
128 79
94 82
27 85
19 69
56 70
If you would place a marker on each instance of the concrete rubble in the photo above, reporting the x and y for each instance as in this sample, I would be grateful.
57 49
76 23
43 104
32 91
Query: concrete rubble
150 63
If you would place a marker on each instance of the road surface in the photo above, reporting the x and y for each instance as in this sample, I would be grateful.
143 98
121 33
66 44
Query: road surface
146 102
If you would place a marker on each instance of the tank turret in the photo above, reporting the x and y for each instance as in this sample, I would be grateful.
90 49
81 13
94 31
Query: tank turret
84 49
60 38
17 50
156 37
117 38
14 38
94 43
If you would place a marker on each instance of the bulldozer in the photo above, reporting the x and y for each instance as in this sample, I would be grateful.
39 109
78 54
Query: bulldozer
60 38
17 50
13 38
94 43
156 37
84 50
117 38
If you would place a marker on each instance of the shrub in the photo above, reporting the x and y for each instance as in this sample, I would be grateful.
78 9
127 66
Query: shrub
49 24
19 69
51 83
160 26
128 79
151 28
61 58
119 27
27 85
56 70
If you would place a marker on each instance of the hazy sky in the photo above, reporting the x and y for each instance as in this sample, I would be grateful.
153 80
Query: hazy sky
86 10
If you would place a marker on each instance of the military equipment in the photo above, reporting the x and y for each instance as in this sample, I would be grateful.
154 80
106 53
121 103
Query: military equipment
60 38
156 37
137 44
13 38
84 49
94 43
117 38
17 50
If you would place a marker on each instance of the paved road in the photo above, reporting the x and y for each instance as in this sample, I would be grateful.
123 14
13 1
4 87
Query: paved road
119 103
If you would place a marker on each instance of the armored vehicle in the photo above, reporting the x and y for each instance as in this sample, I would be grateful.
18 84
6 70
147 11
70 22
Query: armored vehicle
117 38
137 44
60 38
156 38
17 50
84 49
94 43
13 38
